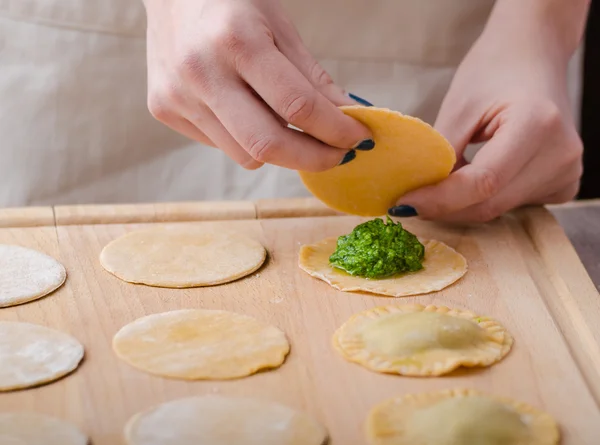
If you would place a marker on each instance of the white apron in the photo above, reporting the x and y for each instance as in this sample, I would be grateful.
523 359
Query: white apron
74 127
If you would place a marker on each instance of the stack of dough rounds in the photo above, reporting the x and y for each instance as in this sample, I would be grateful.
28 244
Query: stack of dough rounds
38 429
27 275
416 340
408 154
459 416
182 256
218 420
194 344
31 355
442 266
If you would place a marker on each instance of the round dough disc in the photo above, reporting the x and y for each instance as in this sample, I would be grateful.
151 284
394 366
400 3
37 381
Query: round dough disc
31 355
408 154
442 266
218 420
195 344
183 256
38 429
27 275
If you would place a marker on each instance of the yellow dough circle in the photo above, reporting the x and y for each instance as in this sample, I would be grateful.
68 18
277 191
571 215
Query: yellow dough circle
31 355
194 344
26 275
219 420
417 340
25 428
182 256
459 417
408 154
442 266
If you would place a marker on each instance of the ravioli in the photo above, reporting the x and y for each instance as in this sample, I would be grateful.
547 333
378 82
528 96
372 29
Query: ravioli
417 340
459 417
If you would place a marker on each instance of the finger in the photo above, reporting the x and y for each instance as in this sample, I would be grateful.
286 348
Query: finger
295 99
492 169
222 139
262 136
567 194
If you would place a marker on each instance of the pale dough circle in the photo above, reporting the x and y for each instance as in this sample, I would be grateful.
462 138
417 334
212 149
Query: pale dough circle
31 355
417 340
408 154
26 275
219 420
442 266
194 344
459 417
25 428
182 256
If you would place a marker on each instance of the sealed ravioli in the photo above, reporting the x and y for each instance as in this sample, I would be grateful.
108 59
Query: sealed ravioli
417 340
459 417
408 154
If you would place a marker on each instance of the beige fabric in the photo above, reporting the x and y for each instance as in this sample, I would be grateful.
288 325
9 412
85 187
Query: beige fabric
73 117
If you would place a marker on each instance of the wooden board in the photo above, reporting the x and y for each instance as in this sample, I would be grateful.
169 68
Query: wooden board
523 271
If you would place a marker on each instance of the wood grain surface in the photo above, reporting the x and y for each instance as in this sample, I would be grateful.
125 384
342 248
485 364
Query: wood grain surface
517 274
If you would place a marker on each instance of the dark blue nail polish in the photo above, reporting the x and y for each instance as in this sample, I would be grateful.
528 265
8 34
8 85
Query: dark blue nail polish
360 100
348 157
403 211
366 145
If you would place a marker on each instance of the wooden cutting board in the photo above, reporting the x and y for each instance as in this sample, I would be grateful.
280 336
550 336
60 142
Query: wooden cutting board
522 271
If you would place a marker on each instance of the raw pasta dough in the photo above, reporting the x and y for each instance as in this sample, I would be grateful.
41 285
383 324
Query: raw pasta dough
408 154
24 428
31 355
442 266
182 256
218 420
27 275
201 344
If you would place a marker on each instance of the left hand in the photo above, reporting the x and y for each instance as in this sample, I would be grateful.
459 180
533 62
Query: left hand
512 96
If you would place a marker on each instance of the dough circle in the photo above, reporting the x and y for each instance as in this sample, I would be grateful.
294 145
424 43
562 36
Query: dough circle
408 154
459 417
182 256
219 420
194 344
26 275
442 266
417 340
31 355
25 428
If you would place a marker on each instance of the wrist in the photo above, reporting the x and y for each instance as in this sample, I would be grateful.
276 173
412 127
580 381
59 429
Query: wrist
546 28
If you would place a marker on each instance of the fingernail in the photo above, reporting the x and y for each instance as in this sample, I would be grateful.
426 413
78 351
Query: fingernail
348 157
403 211
360 100
366 145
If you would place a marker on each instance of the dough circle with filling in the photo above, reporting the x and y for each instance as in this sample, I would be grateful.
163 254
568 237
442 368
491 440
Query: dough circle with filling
31 355
408 154
442 266
26 275
459 417
219 420
182 256
417 340
194 344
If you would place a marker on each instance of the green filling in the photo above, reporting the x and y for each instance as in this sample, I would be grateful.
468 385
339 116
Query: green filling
376 249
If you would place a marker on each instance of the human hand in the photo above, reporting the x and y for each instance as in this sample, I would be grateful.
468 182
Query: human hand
510 94
233 73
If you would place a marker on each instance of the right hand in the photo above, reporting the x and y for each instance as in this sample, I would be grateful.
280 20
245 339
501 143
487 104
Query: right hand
233 73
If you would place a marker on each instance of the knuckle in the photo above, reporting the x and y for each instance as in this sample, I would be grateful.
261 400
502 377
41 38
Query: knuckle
162 100
297 108
548 116
157 108
319 75
262 148
487 183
